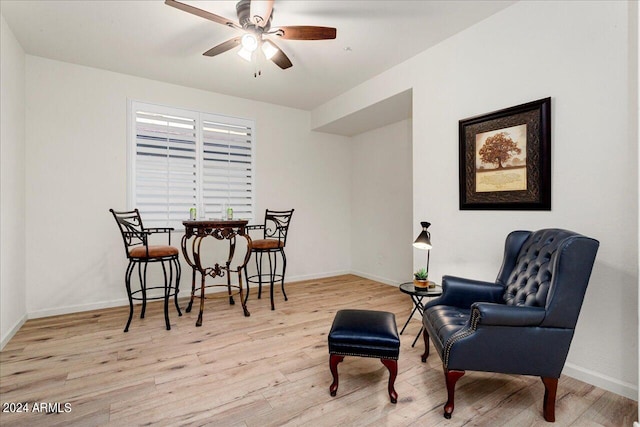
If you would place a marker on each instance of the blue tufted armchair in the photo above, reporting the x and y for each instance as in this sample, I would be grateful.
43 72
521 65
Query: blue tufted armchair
521 324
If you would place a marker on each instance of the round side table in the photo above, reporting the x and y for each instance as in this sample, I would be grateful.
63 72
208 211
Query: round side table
417 294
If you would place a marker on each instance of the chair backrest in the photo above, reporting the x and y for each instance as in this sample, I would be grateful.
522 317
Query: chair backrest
551 269
276 225
131 228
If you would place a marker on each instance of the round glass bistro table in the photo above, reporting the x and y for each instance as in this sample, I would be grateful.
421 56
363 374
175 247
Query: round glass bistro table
417 295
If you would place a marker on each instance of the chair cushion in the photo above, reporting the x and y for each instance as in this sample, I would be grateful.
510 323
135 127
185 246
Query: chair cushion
364 333
155 251
442 321
264 244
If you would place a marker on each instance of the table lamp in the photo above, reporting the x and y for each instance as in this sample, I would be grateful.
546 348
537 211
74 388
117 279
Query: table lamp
424 240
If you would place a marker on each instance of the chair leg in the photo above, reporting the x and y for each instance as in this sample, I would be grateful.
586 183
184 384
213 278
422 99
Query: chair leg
271 278
549 405
392 366
167 291
425 335
284 269
334 359
143 285
127 282
450 377
259 269
177 289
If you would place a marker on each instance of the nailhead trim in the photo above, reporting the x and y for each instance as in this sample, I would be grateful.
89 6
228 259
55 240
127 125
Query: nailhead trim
364 355
463 333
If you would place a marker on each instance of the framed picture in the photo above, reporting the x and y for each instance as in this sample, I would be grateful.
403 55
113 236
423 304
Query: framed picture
505 159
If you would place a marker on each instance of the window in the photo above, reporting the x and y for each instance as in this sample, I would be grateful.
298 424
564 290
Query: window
179 159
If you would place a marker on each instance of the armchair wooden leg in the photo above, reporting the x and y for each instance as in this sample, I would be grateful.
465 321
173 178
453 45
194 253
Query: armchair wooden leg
450 377
334 359
425 335
392 366
549 405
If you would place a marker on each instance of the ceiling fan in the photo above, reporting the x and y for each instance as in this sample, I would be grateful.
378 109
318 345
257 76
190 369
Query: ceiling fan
254 17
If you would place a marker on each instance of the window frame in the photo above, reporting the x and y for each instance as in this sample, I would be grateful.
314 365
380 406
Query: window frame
199 117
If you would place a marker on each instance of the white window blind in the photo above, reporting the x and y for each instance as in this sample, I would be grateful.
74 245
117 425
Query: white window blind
180 159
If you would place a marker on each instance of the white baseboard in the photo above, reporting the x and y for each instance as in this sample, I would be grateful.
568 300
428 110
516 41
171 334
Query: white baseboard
12 331
77 308
314 276
600 380
121 302
384 280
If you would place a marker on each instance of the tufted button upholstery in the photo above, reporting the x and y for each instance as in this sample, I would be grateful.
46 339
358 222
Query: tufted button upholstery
529 282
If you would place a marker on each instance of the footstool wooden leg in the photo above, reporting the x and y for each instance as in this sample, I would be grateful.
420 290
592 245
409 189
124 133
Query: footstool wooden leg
392 366
334 359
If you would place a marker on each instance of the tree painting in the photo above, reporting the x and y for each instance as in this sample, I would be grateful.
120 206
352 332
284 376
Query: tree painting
498 149
501 159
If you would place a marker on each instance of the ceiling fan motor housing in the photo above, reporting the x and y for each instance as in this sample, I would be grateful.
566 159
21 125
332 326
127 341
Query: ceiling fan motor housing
243 9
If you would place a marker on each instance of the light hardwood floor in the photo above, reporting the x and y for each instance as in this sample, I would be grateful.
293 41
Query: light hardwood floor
270 369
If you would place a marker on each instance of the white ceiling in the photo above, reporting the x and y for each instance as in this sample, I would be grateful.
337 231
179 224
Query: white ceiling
152 40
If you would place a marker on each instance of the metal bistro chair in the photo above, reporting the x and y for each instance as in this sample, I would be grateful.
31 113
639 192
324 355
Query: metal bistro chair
274 240
139 252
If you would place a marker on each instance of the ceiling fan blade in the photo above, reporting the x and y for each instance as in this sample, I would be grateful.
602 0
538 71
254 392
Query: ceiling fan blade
260 12
305 32
223 47
202 13
280 59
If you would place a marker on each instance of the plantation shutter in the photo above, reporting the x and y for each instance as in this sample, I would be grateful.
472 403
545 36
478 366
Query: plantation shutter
181 159
227 166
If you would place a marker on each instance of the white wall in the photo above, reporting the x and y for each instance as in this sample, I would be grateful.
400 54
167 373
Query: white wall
76 170
13 308
527 52
381 204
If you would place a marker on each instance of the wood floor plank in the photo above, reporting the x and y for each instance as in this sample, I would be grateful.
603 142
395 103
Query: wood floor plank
269 369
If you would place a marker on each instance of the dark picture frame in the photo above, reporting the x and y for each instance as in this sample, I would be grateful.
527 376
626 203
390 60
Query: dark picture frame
505 159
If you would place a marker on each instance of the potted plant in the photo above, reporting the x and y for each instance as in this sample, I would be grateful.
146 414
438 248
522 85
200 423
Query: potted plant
421 278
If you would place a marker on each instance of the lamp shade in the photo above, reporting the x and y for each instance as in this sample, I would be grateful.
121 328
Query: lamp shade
424 238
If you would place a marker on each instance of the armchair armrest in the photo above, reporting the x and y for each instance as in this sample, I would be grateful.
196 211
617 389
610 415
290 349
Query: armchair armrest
508 315
461 292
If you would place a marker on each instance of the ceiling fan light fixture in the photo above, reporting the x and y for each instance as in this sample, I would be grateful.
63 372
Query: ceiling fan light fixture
245 54
269 49
249 42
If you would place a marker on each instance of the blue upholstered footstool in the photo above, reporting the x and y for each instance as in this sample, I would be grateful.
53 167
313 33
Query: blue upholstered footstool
364 333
